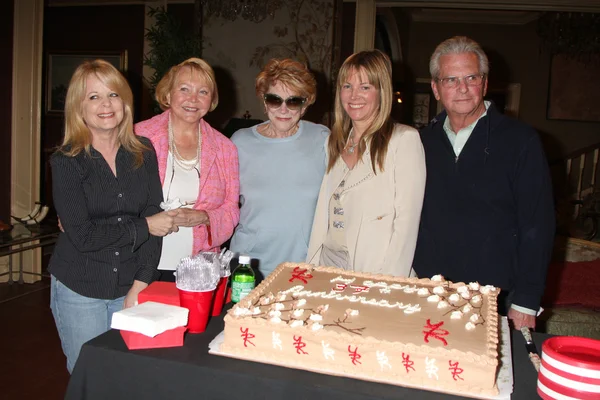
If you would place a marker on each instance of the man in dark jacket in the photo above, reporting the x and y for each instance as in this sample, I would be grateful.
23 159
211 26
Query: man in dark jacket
488 214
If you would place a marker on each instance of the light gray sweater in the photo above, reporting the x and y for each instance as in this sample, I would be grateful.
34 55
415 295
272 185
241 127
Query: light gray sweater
279 185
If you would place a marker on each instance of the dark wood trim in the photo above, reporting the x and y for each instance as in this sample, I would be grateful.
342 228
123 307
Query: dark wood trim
6 72
534 5
576 153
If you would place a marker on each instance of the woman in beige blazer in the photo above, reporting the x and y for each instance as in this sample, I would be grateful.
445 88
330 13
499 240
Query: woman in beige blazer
369 206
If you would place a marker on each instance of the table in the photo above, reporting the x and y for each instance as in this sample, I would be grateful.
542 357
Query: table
106 369
22 238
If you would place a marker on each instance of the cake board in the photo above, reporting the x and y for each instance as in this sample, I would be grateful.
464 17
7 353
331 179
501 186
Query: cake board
504 379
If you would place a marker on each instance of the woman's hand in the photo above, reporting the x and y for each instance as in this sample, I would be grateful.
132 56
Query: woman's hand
132 296
190 217
163 223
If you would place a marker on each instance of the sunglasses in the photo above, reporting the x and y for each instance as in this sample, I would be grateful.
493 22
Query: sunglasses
293 102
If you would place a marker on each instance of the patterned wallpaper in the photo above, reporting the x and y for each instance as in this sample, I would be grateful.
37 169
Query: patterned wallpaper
300 29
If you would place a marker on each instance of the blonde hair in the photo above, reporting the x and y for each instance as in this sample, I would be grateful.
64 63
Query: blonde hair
77 134
377 68
167 82
292 74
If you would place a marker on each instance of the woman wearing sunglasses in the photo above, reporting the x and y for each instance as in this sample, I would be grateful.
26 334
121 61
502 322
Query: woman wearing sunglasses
369 207
282 162
197 165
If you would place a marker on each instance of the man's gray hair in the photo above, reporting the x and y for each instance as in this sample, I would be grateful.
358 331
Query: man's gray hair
457 45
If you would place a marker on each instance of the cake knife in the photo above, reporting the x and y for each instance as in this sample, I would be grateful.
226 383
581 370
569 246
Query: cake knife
531 348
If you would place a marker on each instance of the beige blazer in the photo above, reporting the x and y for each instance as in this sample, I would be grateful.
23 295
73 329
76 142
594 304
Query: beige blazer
382 211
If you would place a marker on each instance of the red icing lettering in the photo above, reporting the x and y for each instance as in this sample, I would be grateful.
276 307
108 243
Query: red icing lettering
435 331
300 274
359 288
354 355
246 336
299 345
455 370
407 362
339 287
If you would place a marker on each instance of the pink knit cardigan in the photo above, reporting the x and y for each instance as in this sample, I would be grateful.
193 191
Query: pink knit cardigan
219 179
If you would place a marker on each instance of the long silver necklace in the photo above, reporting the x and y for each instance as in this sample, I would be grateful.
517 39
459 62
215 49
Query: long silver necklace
184 163
350 145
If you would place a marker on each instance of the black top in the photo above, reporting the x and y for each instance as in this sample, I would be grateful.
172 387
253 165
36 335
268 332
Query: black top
106 244
488 215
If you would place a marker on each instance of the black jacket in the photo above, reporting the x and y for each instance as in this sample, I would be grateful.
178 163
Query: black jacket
488 215
106 244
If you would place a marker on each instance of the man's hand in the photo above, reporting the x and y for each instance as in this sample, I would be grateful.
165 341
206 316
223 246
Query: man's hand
520 319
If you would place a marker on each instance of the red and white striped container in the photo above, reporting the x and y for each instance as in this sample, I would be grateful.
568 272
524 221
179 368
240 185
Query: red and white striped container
570 369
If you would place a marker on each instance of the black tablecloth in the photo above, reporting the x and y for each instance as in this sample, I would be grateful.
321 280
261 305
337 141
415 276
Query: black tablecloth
106 369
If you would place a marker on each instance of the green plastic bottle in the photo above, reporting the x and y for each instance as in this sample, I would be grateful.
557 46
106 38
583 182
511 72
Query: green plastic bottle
243 279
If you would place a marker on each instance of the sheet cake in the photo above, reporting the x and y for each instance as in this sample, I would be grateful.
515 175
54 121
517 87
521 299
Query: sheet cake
428 333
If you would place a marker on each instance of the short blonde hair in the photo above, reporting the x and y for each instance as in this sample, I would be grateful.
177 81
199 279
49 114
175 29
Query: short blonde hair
292 74
167 82
77 134
377 68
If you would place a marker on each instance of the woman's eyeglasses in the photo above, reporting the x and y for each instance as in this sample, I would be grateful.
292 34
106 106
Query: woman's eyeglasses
293 102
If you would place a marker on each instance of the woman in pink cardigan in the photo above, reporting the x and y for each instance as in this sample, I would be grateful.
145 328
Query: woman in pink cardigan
198 166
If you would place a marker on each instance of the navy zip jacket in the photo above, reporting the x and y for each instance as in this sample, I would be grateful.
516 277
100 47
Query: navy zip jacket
488 215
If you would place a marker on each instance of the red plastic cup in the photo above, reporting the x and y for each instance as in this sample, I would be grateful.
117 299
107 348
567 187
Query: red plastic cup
228 296
219 296
199 304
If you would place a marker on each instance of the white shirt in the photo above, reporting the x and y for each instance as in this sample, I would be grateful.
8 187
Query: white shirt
184 185
459 139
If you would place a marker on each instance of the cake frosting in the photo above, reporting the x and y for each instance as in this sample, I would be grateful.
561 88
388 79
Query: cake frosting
428 333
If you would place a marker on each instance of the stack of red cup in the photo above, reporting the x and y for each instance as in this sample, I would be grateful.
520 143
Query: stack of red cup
570 369
203 303
200 305
219 298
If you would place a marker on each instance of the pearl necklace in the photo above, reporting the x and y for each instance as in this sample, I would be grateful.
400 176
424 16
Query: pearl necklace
183 163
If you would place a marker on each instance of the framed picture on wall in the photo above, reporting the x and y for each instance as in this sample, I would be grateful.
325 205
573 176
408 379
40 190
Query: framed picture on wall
573 90
424 104
421 110
60 67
